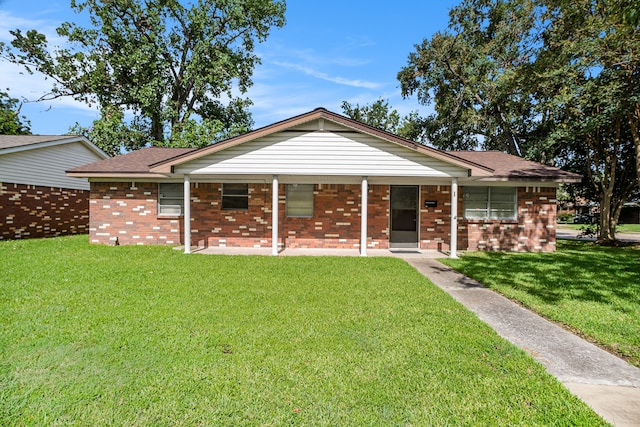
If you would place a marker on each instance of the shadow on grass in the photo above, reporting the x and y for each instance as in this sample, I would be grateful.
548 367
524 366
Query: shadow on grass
578 271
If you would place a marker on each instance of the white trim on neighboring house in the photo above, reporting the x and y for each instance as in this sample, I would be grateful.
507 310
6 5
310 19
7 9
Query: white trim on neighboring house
44 160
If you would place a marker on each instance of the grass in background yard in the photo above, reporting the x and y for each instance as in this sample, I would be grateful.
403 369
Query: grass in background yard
95 335
591 289
621 228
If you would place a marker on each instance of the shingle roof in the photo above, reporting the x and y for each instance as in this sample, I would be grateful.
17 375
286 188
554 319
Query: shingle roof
12 141
510 167
491 165
134 162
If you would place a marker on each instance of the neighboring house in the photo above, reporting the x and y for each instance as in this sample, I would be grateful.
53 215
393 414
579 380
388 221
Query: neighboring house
323 180
37 198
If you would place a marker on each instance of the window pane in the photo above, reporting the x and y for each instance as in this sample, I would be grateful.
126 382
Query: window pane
170 199
489 202
300 200
235 189
235 196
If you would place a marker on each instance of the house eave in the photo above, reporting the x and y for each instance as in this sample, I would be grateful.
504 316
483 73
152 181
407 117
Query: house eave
474 169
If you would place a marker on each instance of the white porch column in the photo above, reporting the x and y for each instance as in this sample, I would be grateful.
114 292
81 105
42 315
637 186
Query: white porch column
363 216
274 216
453 244
187 214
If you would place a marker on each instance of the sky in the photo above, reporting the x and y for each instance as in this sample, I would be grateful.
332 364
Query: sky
328 52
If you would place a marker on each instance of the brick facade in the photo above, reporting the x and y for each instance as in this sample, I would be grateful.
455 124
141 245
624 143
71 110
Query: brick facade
534 230
31 211
129 212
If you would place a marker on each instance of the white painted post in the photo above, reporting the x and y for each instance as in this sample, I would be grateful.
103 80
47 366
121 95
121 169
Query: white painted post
363 216
453 244
274 217
187 214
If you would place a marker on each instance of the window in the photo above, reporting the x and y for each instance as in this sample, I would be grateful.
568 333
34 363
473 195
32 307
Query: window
170 199
300 200
235 196
489 202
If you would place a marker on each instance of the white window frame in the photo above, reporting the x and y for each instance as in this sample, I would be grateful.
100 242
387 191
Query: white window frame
490 207
300 200
170 199
244 196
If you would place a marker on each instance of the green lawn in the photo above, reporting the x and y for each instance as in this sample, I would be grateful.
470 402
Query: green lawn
97 335
593 290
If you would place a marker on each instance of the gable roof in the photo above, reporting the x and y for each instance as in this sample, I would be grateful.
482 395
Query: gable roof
507 167
16 143
157 162
320 114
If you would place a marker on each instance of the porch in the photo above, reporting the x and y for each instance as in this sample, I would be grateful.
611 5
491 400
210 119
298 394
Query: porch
397 253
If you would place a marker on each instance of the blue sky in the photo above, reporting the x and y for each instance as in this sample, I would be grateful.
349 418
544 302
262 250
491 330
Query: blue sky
328 52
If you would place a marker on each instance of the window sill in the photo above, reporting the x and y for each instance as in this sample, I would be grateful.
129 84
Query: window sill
168 216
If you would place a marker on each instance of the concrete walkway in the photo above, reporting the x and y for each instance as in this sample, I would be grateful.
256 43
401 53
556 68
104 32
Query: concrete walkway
608 384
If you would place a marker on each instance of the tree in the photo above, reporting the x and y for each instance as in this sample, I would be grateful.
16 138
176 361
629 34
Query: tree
169 66
591 58
550 80
11 122
380 115
470 72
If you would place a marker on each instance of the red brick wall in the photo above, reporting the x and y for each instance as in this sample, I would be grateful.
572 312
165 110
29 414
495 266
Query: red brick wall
30 211
534 230
130 214
335 222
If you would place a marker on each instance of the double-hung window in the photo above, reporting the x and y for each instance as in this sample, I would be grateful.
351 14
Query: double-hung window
490 203
235 196
170 199
300 200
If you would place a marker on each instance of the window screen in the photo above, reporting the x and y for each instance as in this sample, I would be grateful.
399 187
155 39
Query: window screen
170 199
300 200
235 196
489 202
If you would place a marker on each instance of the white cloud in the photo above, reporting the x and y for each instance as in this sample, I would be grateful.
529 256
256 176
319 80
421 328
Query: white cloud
324 76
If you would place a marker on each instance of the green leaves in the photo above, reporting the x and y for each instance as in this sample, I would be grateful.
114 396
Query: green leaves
160 61
11 122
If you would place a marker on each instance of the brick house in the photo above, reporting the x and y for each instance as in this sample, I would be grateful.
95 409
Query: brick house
323 180
37 198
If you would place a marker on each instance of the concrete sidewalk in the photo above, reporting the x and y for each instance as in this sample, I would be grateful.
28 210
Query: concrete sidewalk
608 384
569 234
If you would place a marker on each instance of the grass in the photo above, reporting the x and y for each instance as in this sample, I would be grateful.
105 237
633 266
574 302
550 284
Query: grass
621 228
96 335
592 290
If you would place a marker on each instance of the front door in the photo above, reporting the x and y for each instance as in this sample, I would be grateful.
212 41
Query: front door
404 216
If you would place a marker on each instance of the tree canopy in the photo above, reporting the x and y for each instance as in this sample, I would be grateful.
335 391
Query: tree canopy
11 122
551 80
382 116
159 71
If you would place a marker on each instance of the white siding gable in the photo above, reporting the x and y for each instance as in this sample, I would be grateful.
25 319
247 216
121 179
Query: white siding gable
321 153
46 166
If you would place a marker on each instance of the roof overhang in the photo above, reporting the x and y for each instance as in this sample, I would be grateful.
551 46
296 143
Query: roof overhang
54 141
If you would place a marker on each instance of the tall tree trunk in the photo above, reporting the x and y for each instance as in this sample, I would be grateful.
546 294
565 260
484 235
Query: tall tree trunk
634 118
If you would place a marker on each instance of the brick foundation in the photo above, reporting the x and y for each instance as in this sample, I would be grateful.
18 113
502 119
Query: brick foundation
128 212
30 211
